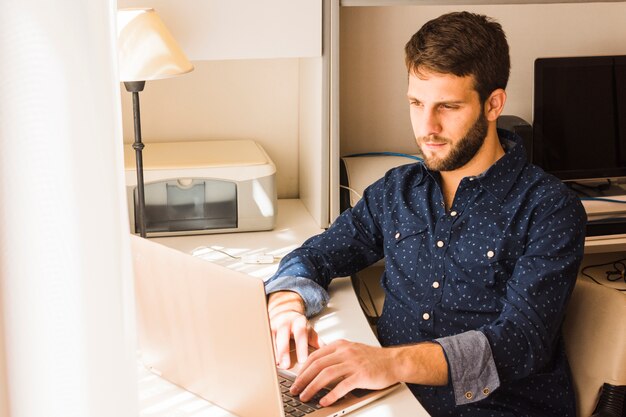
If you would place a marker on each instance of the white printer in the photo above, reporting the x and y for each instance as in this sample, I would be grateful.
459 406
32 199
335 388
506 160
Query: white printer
203 187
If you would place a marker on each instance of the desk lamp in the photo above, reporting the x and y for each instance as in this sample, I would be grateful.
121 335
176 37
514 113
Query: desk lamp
147 51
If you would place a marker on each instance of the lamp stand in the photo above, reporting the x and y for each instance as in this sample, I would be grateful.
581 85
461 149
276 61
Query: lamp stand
135 87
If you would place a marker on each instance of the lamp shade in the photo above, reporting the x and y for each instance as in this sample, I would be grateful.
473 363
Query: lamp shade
147 50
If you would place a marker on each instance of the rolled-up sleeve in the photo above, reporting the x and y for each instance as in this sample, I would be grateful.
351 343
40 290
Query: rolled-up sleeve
314 296
472 370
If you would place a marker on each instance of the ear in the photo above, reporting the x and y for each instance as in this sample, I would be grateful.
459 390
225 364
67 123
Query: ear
495 104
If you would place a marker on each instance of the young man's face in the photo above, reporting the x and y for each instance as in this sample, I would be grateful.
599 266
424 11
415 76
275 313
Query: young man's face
447 117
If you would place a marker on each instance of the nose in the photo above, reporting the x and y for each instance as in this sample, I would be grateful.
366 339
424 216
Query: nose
425 122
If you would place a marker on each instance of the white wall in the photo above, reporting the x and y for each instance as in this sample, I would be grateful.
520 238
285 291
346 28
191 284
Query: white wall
238 29
232 99
66 310
313 153
374 113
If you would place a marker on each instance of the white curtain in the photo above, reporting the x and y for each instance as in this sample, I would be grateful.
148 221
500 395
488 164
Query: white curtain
66 324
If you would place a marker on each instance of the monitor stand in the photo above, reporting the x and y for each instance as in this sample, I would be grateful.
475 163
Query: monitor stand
599 188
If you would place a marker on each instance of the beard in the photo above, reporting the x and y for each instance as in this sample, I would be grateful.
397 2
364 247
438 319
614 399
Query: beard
462 152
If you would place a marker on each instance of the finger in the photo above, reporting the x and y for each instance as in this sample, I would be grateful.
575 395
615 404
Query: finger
318 363
340 391
283 334
301 339
323 379
314 338
311 367
322 351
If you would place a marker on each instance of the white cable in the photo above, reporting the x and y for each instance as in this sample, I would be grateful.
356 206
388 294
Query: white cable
351 189
258 258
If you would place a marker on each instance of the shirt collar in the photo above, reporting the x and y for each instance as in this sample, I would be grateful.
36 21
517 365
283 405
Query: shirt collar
500 177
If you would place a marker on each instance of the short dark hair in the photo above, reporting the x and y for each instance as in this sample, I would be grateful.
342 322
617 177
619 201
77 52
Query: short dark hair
462 44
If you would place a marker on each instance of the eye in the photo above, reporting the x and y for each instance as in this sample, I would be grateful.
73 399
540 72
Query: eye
447 106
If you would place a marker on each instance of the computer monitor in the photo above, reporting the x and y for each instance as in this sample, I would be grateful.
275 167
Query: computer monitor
579 117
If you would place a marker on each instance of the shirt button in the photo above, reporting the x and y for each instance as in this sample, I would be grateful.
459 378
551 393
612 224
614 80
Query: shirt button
453 213
490 254
440 244
397 235
469 395
486 391
425 316
435 284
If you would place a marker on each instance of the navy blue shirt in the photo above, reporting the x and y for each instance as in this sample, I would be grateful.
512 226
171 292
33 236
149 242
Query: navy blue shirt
488 279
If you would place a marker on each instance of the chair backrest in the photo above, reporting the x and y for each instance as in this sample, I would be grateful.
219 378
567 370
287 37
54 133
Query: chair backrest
595 340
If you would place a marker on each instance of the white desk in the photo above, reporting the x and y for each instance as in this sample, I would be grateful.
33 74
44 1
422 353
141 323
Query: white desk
342 318
605 244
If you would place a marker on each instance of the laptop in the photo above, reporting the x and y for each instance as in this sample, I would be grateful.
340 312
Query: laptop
205 328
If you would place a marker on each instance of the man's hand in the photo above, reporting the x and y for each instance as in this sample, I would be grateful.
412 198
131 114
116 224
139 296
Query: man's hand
352 365
287 321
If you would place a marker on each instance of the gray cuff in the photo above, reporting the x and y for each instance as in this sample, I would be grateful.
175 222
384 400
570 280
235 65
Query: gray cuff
473 371
314 296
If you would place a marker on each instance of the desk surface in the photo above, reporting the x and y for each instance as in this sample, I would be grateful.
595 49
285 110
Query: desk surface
605 244
342 318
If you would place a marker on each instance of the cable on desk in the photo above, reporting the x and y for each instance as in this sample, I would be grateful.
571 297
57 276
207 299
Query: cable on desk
259 258
618 273
201 250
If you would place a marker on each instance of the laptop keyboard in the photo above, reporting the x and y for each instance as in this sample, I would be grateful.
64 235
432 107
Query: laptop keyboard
292 405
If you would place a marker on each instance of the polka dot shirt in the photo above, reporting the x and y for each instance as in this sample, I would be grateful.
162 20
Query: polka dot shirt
488 279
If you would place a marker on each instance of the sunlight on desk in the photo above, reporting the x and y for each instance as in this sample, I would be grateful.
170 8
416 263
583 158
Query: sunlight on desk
328 326
233 258
158 398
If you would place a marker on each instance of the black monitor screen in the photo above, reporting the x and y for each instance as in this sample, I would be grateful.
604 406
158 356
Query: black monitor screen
579 121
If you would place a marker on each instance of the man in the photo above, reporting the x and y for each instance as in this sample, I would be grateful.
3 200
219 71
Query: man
481 252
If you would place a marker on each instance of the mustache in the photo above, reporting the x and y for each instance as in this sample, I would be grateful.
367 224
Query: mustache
433 139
